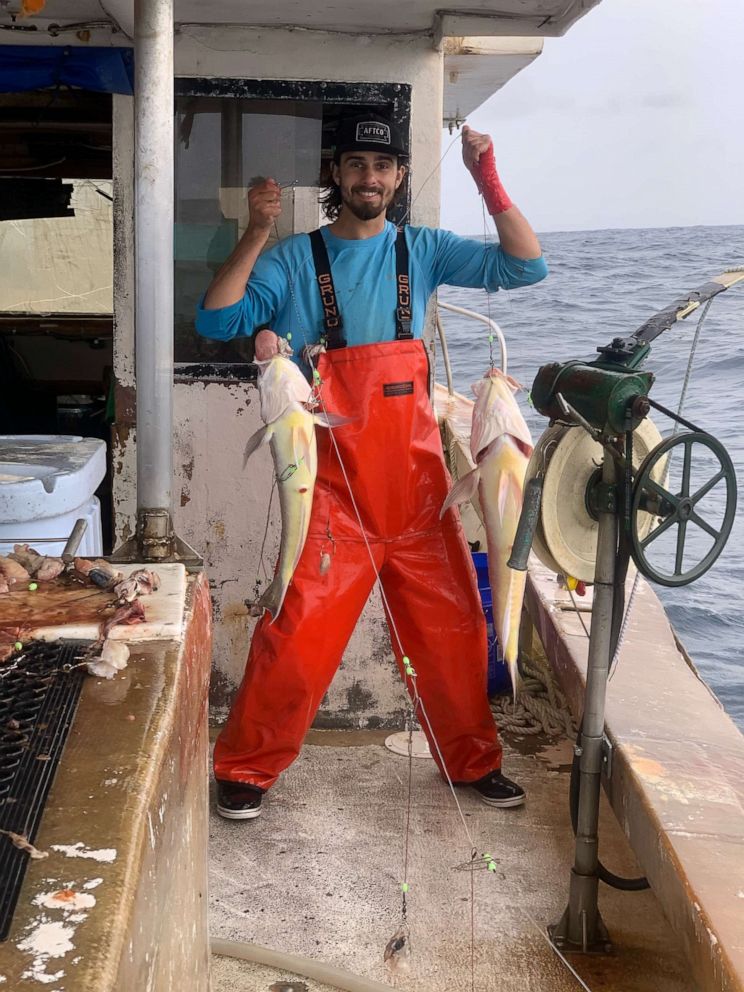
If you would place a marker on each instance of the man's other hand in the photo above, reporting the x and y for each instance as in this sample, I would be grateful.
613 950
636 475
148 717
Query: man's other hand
264 205
473 145
266 345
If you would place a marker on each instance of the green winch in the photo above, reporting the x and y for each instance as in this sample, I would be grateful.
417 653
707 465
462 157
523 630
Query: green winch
602 487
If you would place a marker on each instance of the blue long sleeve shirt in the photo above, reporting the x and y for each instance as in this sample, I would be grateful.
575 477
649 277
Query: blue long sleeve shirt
282 292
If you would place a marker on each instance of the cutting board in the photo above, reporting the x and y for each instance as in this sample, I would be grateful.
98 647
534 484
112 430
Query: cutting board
57 610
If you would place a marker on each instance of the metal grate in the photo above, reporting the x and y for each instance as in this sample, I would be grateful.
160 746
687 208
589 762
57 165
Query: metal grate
39 692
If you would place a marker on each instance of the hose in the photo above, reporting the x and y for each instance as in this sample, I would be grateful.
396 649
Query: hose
297 964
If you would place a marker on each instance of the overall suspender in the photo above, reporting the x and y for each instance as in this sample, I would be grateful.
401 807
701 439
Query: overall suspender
332 320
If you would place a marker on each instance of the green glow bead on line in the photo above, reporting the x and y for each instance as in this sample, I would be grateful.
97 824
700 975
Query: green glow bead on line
18 645
404 886
289 335
490 338
492 866
406 661
33 586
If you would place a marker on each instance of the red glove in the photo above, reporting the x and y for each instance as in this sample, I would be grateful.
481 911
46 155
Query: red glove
488 182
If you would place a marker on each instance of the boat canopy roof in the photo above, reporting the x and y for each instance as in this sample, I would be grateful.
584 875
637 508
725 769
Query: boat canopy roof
536 18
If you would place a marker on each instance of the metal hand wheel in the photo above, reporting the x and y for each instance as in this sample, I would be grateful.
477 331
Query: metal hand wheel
680 509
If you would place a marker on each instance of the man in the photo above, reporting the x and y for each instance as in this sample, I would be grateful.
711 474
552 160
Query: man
361 288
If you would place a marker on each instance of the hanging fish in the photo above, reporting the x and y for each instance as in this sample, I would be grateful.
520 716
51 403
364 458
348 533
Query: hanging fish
501 445
398 951
290 429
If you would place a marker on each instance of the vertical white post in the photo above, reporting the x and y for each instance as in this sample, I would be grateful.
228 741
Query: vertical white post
153 204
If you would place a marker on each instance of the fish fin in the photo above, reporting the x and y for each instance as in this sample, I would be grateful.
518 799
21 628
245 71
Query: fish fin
330 419
255 441
273 598
463 490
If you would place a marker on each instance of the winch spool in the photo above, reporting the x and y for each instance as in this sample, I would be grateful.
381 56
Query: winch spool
565 539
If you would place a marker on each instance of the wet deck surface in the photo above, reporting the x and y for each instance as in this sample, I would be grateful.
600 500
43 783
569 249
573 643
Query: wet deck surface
318 874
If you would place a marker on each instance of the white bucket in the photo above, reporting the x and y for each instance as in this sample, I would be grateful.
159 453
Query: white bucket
47 483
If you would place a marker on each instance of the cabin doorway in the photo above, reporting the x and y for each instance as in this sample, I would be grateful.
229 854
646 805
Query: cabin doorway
56 256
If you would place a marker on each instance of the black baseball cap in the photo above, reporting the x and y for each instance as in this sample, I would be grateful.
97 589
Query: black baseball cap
368 133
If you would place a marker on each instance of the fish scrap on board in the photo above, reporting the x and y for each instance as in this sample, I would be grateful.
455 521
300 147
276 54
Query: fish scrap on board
501 445
286 410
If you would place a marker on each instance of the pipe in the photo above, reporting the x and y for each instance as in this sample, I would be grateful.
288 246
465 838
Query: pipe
581 926
491 324
327 974
445 356
73 541
153 231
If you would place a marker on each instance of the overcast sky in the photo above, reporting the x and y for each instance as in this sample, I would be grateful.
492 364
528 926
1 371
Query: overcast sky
634 119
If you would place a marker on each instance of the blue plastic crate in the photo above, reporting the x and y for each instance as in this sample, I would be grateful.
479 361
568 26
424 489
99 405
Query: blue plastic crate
498 674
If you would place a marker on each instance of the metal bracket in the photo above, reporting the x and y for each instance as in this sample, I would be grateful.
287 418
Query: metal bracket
580 943
607 751
155 540
602 498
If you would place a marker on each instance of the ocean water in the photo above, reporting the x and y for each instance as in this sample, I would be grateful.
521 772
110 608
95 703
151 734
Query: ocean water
607 283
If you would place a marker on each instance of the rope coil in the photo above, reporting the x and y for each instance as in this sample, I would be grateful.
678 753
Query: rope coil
540 708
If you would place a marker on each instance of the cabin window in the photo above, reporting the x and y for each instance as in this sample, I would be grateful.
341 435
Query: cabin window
227 132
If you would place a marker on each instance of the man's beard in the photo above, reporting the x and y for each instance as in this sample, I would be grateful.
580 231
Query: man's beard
362 209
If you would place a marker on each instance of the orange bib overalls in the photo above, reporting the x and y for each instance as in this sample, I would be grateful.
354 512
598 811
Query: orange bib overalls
392 454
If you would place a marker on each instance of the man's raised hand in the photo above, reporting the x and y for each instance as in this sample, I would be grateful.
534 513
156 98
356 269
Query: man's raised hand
473 145
264 205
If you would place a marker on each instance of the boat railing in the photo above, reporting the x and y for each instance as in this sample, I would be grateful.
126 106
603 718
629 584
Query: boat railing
473 315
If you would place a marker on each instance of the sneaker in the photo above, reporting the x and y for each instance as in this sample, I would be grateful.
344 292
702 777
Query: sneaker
497 790
238 800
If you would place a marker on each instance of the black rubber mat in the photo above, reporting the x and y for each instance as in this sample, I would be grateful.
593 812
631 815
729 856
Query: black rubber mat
39 692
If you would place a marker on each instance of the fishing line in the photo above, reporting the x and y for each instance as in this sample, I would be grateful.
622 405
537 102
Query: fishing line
488 294
436 169
261 561
552 946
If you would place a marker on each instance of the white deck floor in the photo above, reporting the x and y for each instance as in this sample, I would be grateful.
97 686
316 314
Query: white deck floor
317 874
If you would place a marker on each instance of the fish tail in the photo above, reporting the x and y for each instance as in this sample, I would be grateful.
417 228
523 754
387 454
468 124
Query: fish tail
273 599
510 646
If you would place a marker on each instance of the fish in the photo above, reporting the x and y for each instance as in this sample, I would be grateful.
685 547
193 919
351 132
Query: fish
12 571
113 657
397 955
39 567
141 582
286 410
100 572
126 614
501 445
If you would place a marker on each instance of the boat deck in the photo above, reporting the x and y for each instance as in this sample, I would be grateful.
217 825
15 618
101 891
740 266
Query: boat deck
318 875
